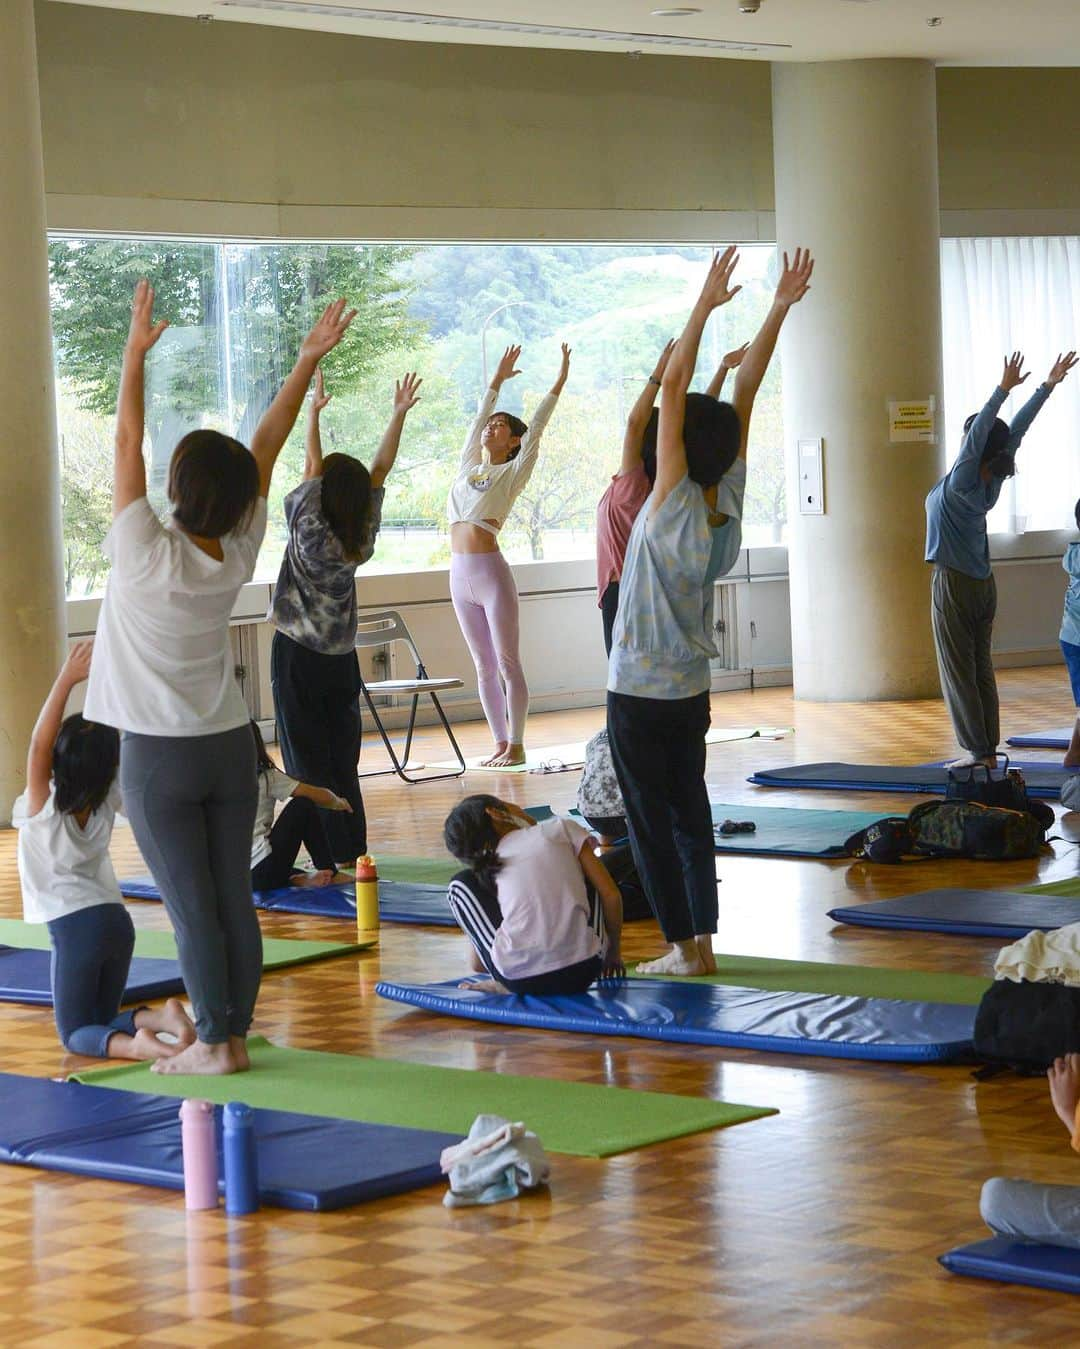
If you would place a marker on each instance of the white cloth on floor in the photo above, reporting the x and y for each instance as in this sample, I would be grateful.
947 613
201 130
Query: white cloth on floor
1046 957
495 1162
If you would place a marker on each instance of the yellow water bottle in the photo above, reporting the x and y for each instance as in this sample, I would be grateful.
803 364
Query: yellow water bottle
367 896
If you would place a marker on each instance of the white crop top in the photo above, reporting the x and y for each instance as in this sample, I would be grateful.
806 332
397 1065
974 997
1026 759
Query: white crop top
483 492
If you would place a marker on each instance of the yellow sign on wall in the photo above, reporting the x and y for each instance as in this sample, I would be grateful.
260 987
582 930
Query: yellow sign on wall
912 419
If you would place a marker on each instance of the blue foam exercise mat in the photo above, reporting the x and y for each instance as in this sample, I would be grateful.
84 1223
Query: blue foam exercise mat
966 913
1042 739
304 1161
24 977
929 779
826 1025
1008 1261
399 901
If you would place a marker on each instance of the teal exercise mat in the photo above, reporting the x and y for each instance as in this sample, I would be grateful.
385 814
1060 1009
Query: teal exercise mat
572 1117
278 952
789 832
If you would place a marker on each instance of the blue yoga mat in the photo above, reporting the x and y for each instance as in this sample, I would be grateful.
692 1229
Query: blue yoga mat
830 1026
399 901
929 779
789 832
1008 1261
966 913
1042 739
24 977
304 1161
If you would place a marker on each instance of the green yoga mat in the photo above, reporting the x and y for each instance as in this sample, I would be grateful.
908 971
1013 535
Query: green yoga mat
790 832
857 981
1067 889
574 1117
278 952
417 870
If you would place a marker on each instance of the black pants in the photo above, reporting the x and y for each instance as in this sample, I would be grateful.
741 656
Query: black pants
91 956
298 826
609 607
658 749
475 905
317 705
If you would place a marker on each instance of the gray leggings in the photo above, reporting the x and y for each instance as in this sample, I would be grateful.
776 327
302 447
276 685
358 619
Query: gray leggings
191 801
962 613
1045 1214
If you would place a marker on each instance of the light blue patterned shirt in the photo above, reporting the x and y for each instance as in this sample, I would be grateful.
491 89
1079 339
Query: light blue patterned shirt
663 638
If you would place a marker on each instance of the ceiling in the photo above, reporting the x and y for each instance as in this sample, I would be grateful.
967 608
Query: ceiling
971 32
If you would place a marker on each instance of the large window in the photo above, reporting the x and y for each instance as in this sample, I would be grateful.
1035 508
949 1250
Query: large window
1001 295
237 312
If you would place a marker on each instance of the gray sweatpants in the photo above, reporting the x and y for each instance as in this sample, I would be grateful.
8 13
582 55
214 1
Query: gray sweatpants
962 609
191 802
1047 1214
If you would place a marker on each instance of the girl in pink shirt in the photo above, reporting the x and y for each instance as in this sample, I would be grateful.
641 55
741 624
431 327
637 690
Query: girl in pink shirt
543 914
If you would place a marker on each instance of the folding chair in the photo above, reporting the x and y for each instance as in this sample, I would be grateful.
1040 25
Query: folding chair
382 630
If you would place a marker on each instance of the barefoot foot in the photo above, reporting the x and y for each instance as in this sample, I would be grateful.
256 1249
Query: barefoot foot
176 1021
312 879
683 958
484 985
509 758
499 750
142 1046
703 941
238 1045
1064 1075
199 1059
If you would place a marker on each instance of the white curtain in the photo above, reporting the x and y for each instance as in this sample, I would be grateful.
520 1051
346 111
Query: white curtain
998 296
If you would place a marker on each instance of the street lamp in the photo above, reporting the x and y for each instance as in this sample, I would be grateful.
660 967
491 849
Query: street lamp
510 304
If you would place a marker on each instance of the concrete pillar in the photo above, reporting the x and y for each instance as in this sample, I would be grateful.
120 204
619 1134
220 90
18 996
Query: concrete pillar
31 572
855 153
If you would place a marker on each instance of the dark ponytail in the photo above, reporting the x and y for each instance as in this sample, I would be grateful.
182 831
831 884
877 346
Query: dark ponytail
263 761
470 835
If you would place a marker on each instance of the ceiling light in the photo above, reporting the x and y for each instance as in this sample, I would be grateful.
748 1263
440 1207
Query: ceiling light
499 25
683 13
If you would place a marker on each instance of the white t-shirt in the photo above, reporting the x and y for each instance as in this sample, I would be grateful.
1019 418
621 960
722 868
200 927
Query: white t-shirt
163 662
544 903
274 786
484 492
63 868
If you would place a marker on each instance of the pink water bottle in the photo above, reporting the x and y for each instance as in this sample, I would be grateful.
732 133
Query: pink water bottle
200 1154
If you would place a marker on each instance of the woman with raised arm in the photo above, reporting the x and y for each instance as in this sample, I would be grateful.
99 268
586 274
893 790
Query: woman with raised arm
333 518
686 535
626 494
497 461
163 675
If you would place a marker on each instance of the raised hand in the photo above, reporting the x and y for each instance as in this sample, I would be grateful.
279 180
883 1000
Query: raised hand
76 669
405 392
143 332
319 396
327 331
718 289
1011 375
665 356
1061 368
564 368
507 367
795 278
734 358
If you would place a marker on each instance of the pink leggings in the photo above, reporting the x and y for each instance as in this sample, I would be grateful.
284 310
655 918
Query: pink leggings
486 603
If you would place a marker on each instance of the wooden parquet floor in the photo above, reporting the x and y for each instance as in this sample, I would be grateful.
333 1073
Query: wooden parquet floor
819 1226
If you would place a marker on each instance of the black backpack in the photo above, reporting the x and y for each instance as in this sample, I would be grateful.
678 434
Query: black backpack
1027 1026
978 785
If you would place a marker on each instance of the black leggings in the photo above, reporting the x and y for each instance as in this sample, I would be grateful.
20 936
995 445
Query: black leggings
298 825
609 607
317 705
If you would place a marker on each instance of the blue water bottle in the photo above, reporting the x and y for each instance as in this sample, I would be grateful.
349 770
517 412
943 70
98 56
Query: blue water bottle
241 1168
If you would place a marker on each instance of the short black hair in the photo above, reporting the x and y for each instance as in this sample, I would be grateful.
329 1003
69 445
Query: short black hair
213 483
346 502
85 758
712 435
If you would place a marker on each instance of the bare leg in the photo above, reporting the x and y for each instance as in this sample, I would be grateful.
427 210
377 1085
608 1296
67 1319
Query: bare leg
201 1060
171 1018
683 958
507 758
1064 1075
1072 754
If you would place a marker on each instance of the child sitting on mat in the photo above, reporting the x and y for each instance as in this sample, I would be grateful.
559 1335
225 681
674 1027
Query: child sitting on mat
543 914
1043 1214
65 821
276 843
